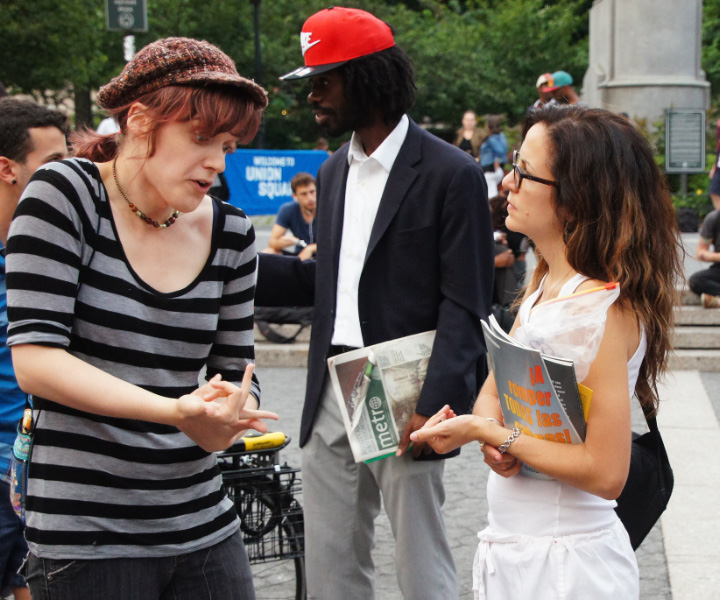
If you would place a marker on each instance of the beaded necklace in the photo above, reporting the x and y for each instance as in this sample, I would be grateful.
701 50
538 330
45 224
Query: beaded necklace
136 210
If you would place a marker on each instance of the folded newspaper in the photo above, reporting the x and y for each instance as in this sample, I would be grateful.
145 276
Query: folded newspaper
377 388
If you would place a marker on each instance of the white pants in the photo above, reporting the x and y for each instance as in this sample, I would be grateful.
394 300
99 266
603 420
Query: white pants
493 179
593 566
341 500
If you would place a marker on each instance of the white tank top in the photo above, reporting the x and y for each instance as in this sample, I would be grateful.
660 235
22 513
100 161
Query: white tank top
549 508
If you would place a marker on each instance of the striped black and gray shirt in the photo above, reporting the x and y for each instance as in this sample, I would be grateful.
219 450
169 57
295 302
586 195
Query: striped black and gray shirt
104 487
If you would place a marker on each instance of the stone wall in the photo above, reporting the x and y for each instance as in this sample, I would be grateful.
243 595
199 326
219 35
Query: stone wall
645 57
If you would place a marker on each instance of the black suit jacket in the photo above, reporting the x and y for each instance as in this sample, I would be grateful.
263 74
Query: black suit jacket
429 265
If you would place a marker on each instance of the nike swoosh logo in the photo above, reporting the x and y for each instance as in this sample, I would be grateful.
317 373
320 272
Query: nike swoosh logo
310 45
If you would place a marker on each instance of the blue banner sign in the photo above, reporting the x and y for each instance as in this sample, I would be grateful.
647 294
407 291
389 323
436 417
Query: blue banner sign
259 180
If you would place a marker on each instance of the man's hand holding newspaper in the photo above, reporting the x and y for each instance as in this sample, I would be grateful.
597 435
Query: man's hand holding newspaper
377 389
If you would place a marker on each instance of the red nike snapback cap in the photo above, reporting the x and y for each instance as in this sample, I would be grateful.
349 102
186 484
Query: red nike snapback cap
334 36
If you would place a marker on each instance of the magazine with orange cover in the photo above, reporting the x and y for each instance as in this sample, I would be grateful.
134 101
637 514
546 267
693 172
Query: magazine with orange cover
538 394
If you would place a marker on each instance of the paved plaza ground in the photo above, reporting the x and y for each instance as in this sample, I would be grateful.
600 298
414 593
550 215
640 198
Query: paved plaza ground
679 560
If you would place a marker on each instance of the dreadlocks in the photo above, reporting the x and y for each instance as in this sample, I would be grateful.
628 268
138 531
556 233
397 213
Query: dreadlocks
383 81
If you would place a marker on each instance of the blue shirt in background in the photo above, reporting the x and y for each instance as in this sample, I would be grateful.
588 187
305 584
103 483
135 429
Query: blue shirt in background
12 398
290 217
493 148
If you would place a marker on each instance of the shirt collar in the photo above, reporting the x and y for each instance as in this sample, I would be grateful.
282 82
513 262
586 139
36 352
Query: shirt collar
385 153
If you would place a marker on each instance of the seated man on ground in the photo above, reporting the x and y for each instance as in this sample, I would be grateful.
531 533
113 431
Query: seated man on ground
706 283
295 229
294 233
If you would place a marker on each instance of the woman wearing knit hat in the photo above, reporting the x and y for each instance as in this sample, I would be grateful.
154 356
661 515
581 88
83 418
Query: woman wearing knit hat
125 279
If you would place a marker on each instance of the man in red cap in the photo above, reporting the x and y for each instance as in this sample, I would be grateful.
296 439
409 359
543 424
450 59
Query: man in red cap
404 246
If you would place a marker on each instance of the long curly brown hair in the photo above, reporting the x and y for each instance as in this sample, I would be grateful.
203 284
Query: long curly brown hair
619 222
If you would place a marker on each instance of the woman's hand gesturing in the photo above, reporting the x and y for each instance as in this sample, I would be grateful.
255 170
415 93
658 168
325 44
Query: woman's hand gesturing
216 415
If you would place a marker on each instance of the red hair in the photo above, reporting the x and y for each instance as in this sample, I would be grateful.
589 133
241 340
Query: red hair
218 109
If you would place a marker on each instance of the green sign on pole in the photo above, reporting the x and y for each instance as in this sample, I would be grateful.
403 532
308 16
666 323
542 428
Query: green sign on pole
685 140
126 15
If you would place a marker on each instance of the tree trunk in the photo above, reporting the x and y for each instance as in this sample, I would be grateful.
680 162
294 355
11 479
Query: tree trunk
83 108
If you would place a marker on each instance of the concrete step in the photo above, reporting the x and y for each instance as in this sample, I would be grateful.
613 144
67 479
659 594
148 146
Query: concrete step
697 315
700 360
696 337
684 315
687 296
294 354
286 330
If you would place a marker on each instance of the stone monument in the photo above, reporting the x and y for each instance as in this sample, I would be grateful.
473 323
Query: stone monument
645 57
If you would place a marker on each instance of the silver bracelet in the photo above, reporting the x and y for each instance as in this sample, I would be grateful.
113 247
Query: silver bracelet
502 448
495 421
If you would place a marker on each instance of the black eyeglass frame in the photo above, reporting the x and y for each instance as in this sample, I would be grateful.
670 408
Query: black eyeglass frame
519 175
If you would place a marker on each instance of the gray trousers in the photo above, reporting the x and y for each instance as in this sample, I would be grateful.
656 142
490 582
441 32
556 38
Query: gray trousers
341 500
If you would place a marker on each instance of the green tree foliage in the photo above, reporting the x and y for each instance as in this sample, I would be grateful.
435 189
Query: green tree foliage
526 38
711 46
52 45
479 54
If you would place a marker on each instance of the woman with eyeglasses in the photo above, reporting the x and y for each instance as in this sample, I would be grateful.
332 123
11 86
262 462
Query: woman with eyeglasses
585 188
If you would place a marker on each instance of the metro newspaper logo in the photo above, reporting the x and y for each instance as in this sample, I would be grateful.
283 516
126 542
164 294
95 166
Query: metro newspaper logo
377 390
378 410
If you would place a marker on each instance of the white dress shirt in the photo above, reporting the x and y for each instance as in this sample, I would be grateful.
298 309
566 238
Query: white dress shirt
366 181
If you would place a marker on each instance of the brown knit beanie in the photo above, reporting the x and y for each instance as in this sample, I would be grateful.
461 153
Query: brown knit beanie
176 61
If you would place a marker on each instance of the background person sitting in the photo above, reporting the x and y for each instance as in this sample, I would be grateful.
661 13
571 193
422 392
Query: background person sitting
298 217
706 283
515 241
504 289
715 172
